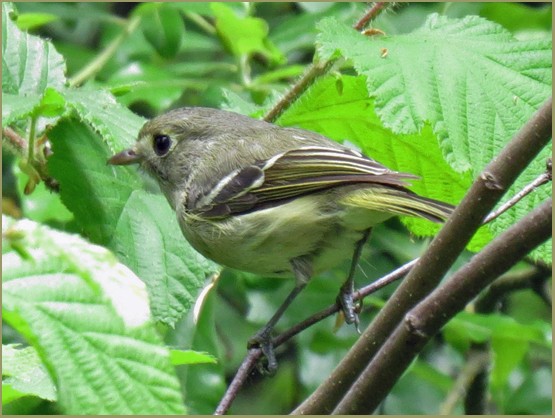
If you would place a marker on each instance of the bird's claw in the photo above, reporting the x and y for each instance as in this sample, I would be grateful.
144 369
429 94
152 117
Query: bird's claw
267 365
350 307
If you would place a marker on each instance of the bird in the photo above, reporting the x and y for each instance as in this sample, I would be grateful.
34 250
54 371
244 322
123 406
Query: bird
275 201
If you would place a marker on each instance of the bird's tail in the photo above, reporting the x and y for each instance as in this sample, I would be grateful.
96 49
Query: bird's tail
399 201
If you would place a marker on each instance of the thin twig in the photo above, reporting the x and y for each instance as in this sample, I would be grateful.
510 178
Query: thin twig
309 77
201 22
539 181
371 14
16 142
18 145
238 380
519 280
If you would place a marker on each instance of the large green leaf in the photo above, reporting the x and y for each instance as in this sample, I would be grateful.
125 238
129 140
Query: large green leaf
469 78
88 317
29 64
94 192
148 240
116 124
342 110
163 27
141 228
25 375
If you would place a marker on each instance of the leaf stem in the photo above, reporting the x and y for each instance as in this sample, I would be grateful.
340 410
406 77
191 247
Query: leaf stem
201 22
31 146
93 67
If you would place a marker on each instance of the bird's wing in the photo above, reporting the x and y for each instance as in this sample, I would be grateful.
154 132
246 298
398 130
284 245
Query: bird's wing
292 174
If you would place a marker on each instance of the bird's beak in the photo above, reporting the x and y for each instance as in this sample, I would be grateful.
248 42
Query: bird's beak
125 157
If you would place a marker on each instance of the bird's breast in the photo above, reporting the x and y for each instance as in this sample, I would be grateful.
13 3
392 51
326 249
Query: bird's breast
264 242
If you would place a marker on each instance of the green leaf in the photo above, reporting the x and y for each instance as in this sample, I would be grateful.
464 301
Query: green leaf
463 330
510 340
15 107
42 205
298 32
25 374
148 240
79 164
88 318
469 78
244 35
116 124
469 71
163 27
180 357
520 18
203 337
26 21
479 328
29 64
52 104
342 110
141 228
508 353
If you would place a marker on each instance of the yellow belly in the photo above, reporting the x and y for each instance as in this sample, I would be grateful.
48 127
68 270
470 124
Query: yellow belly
264 242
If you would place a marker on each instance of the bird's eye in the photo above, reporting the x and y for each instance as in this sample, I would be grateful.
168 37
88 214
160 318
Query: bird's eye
161 144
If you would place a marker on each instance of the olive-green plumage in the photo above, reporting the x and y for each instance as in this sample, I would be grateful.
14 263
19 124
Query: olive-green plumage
279 202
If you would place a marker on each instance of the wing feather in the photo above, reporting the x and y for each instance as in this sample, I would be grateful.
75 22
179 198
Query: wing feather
292 174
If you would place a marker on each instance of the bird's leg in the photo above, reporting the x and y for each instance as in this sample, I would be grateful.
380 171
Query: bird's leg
347 290
263 339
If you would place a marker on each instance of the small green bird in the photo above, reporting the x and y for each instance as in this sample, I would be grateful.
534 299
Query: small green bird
278 202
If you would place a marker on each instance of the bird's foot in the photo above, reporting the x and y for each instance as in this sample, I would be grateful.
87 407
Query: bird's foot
267 365
349 306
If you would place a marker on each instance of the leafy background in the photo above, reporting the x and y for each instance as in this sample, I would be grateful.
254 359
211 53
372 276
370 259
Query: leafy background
409 99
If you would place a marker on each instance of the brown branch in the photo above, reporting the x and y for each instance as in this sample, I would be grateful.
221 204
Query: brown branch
486 191
16 143
313 72
430 315
239 379
371 14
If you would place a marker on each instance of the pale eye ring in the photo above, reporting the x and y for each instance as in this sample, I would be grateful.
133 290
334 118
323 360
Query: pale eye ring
161 144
